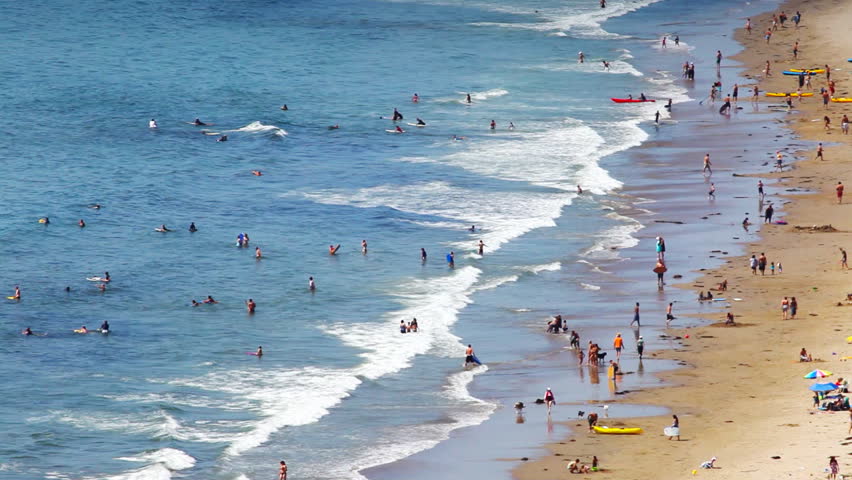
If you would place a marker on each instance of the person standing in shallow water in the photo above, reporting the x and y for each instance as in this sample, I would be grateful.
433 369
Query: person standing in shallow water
635 316
282 470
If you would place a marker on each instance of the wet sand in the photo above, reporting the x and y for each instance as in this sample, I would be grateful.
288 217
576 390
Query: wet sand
743 398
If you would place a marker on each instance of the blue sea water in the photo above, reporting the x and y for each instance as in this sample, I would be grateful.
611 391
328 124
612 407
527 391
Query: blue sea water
171 390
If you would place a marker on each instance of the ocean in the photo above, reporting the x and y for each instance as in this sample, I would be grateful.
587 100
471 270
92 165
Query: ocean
171 392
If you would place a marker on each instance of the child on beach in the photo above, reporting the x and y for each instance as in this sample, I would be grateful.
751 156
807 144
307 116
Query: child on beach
772 268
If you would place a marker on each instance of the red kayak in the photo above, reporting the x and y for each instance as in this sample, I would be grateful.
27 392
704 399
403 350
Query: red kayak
630 100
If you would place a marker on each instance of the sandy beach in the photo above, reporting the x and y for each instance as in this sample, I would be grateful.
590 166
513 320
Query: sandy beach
743 399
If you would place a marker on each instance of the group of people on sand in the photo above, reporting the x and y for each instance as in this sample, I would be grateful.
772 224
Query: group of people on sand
577 467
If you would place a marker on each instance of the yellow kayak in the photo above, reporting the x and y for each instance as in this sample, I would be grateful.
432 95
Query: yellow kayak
842 100
809 70
793 94
618 431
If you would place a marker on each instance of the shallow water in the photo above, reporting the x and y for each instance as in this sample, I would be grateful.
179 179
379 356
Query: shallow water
171 388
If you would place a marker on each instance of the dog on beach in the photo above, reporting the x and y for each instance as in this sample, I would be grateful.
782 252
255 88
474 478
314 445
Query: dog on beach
601 357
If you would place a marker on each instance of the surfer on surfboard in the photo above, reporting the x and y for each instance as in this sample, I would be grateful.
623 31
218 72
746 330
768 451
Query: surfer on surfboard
332 250
198 123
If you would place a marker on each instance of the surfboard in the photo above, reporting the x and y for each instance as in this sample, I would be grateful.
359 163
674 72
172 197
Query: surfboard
335 249
251 353
393 131
671 431
96 279
204 125
161 230
79 330
416 125
41 220
450 259
12 298
476 360
719 299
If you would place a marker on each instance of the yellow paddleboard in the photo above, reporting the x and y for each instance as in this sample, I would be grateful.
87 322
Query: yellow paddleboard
842 100
618 431
11 298
809 70
793 94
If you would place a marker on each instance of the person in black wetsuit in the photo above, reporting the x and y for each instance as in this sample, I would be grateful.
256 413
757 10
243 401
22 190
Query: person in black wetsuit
105 326
199 123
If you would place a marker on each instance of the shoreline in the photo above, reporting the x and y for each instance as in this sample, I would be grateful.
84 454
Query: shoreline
717 417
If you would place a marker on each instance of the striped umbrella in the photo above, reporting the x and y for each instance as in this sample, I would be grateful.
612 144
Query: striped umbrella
818 374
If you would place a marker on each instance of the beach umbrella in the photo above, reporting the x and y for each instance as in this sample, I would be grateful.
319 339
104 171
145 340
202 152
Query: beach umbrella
818 374
823 387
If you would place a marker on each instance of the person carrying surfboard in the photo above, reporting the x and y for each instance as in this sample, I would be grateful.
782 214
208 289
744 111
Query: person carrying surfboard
469 356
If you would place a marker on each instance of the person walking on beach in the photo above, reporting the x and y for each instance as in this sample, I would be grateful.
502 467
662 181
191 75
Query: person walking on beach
839 190
767 36
785 305
712 193
707 165
748 26
660 270
760 194
761 264
618 344
549 400
767 214
661 248
844 125
843 264
282 470
819 153
718 59
794 306
752 262
796 51
636 316
736 92
834 467
675 428
640 346
669 315
755 94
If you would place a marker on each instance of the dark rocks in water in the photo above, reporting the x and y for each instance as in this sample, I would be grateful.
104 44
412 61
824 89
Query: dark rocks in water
524 459
678 276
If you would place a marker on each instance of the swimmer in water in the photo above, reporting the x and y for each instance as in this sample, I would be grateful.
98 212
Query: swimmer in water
511 126
468 100
396 115
105 326
223 138
152 123
45 220
257 173
415 98
332 250
364 247
83 329
458 139
493 125
579 189
192 227
334 127
481 247
81 223
259 352
472 228
606 65
399 129
284 107
96 206
209 299
102 287
311 285
163 229
106 277
250 305
421 122
195 304
422 254
27 331
199 123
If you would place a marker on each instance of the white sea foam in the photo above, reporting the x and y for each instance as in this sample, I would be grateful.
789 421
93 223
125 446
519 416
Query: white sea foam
259 128
502 216
589 286
594 267
556 155
579 22
615 238
475 96
405 441
547 267
162 464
